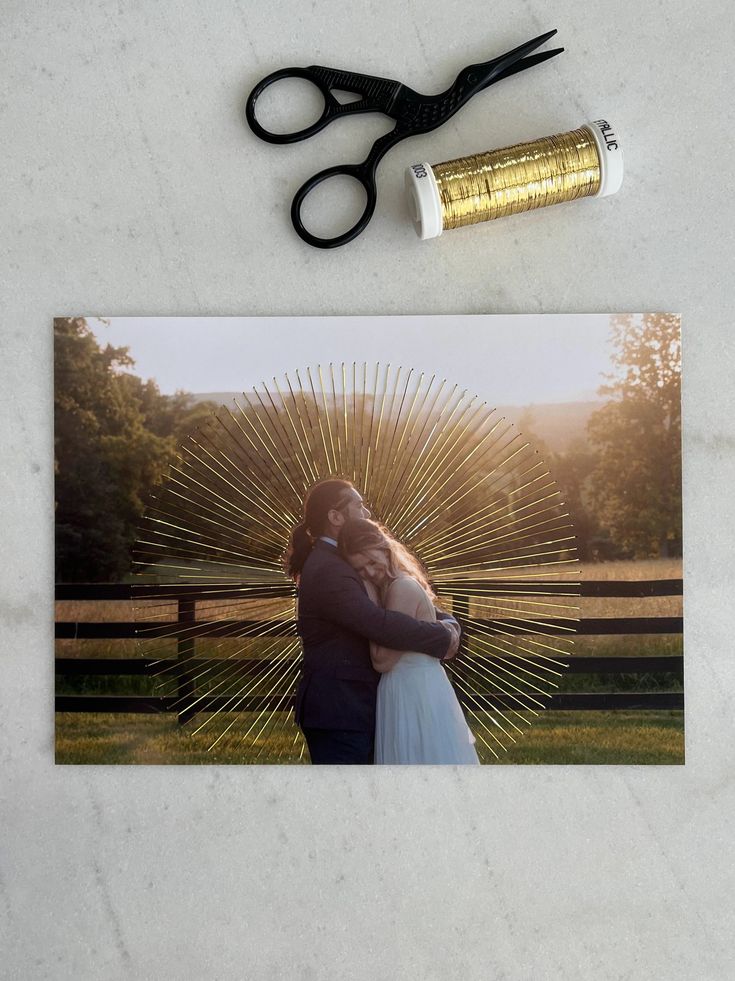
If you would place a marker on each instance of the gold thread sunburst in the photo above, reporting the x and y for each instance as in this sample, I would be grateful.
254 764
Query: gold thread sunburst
457 483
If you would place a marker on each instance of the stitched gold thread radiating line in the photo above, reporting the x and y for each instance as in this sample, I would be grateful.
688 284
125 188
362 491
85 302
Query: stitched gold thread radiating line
311 457
355 428
400 424
398 465
411 485
235 705
226 664
382 447
281 667
230 671
334 408
389 459
499 657
261 431
288 442
448 435
504 679
448 447
247 417
370 452
518 178
311 475
157 520
462 685
349 460
312 426
468 545
376 444
274 428
493 529
247 677
334 466
228 518
491 640
415 447
456 481
467 486
222 502
485 517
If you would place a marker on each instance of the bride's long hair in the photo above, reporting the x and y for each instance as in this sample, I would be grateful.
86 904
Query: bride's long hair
358 534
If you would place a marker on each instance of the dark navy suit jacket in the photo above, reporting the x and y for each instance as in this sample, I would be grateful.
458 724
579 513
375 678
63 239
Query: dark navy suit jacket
336 621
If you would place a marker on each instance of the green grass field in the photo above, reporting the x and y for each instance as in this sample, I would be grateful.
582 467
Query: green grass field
554 737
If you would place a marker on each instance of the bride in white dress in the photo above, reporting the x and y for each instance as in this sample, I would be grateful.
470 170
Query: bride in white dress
418 718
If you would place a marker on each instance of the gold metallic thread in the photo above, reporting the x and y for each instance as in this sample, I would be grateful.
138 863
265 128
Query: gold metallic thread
518 178
451 477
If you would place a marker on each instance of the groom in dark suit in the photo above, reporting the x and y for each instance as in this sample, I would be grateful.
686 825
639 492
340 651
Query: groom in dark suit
336 696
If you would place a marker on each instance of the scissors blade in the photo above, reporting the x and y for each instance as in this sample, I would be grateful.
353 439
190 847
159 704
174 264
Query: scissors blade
517 53
491 71
519 66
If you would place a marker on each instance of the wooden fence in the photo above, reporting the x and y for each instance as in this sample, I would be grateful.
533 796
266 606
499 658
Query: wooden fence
186 626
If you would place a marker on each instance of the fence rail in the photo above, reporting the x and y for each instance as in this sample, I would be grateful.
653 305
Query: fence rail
572 701
186 628
601 588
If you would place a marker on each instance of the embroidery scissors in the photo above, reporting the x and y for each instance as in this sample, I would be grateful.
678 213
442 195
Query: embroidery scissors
414 114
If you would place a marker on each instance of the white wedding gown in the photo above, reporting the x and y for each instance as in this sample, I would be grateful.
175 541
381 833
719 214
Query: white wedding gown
418 718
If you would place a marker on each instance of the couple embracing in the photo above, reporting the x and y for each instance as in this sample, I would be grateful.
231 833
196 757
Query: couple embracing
372 686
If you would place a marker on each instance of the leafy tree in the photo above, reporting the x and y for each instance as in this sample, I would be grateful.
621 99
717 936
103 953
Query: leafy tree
165 415
571 471
114 437
636 483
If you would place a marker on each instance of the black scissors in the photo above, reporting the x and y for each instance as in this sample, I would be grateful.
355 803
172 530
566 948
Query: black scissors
414 114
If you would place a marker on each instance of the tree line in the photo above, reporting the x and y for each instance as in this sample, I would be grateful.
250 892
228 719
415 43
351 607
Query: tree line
116 436
623 483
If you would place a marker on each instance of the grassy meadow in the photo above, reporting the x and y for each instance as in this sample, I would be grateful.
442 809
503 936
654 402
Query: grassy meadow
554 737
632 737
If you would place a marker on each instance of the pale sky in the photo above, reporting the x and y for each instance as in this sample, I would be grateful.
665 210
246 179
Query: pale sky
505 359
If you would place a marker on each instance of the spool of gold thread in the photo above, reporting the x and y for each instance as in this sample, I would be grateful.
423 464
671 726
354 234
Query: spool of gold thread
585 162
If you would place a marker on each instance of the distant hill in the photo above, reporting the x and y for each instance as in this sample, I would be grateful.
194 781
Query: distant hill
221 398
557 423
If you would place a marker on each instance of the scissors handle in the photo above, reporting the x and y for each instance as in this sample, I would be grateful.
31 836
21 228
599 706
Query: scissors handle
377 94
355 171
364 173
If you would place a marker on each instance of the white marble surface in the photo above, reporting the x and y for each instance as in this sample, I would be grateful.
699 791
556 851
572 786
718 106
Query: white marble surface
132 186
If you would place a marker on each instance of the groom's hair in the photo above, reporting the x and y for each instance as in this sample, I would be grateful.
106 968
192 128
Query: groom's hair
319 501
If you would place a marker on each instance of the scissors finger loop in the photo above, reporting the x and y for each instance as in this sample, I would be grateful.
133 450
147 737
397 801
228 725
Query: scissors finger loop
330 103
359 173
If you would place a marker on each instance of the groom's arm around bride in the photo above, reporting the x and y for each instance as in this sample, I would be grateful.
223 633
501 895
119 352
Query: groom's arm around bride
342 598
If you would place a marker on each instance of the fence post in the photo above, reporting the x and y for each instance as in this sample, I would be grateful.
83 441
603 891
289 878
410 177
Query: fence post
185 648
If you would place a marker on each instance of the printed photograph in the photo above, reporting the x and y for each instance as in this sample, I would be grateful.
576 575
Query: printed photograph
427 540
